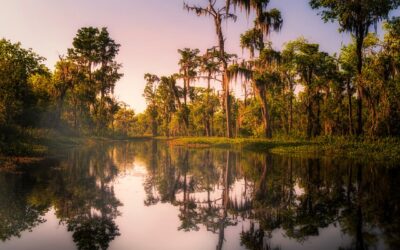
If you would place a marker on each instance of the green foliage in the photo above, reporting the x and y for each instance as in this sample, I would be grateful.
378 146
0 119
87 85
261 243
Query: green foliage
203 108
77 98
93 53
252 40
299 91
124 122
350 14
356 17
17 95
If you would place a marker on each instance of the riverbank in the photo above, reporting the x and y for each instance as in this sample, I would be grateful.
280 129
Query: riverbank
40 144
386 149
35 145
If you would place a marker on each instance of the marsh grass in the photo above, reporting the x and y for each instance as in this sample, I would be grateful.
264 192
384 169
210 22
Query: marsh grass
382 149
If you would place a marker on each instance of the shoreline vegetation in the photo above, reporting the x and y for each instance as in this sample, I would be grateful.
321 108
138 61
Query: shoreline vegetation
36 145
379 149
45 144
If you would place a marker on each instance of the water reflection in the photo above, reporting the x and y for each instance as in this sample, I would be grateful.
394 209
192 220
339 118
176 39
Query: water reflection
78 188
220 188
275 202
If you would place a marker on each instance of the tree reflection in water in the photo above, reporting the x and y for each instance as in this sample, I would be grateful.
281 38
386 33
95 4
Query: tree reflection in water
87 203
19 210
79 188
217 188
212 189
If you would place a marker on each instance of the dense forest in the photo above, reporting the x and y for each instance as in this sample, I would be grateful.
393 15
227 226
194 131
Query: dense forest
75 99
298 90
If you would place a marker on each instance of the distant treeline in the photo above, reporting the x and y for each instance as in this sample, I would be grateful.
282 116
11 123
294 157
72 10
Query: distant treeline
299 90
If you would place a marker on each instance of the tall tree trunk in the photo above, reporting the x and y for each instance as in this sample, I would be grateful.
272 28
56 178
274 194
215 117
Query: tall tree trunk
360 41
317 123
208 109
227 106
75 114
167 125
206 123
350 111
374 125
245 96
154 126
185 91
60 104
309 107
186 110
265 114
309 119
291 108
225 79
212 125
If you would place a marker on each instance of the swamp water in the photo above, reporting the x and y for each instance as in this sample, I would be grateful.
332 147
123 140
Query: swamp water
150 195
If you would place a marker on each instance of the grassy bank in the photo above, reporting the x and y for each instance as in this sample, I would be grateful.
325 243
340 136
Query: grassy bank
387 149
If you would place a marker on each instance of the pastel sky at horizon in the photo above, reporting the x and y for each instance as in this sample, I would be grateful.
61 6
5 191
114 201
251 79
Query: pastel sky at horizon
150 32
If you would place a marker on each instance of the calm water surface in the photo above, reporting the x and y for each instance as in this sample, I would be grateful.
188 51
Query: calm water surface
148 195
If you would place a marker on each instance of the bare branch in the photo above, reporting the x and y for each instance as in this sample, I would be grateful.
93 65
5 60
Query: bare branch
200 11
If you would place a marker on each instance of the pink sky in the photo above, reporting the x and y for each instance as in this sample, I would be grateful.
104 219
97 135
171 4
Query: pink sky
150 32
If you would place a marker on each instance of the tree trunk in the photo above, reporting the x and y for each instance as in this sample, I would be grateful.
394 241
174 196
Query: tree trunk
265 114
360 41
60 105
317 123
184 91
291 108
208 109
154 127
227 106
309 119
167 125
349 95
225 80
309 108
75 114
186 110
245 96
206 124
